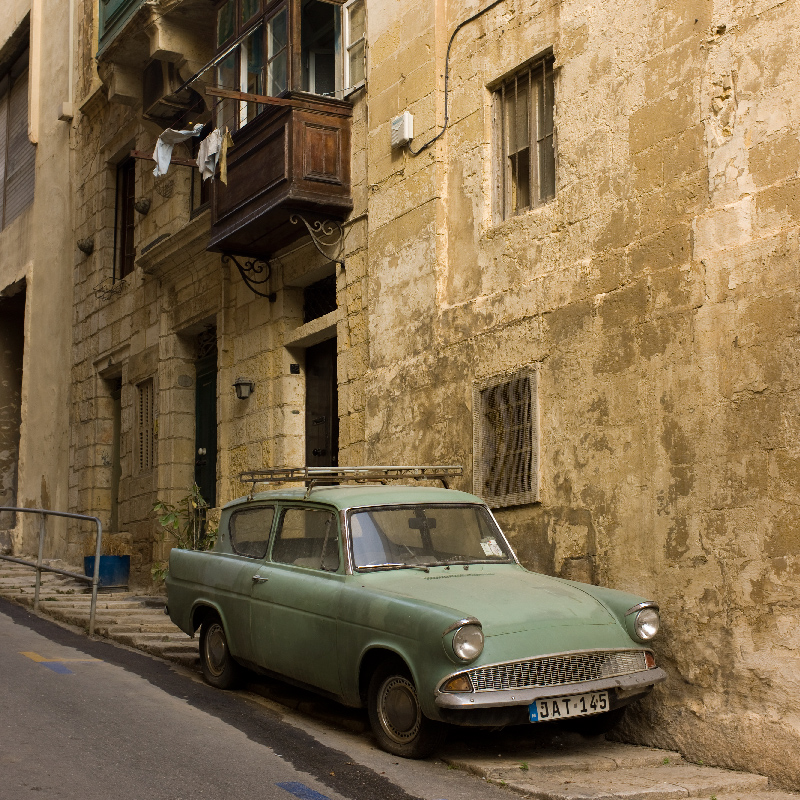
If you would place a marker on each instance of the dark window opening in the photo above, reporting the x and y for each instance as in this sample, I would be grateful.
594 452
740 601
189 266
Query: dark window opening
319 298
201 190
125 254
318 47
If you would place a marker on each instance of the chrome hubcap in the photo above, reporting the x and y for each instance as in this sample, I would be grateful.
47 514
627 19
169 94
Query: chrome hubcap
216 649
398 709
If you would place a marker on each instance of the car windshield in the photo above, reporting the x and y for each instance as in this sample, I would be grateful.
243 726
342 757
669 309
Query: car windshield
424 536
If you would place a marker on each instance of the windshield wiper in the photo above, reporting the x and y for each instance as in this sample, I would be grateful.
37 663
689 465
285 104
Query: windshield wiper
378 567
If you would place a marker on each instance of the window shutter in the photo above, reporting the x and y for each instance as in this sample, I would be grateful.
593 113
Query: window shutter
144 425
3 142
21 160
506 439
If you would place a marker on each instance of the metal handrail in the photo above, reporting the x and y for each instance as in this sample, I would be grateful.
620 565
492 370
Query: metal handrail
40 567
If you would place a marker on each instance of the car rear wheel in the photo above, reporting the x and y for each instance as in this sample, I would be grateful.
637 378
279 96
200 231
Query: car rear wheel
396 717
219 668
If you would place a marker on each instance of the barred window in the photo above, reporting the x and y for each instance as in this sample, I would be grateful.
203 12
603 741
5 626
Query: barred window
145 439
506 441
525 146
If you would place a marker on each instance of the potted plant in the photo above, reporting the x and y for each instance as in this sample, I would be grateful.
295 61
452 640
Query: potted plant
115 561
186 524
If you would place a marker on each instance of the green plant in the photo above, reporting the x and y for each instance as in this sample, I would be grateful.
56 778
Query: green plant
524 766
186 523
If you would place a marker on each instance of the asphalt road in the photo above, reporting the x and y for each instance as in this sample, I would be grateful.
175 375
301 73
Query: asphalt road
88 719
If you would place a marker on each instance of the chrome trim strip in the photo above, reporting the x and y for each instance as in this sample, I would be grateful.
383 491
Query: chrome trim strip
640 606
461 623
643 680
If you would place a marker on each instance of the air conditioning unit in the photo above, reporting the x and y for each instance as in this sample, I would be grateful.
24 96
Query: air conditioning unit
161 101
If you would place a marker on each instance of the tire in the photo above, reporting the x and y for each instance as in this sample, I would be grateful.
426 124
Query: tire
596 724
219 668
396 717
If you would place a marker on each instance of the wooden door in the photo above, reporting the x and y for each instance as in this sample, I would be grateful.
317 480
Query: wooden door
322 406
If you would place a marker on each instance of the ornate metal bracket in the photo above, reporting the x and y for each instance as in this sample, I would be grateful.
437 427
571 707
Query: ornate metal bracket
327 236
108 287
256 273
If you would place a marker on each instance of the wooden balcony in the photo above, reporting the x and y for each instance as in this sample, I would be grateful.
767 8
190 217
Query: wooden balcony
293 158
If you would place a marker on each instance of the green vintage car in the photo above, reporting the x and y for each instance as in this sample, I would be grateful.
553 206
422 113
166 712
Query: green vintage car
409 600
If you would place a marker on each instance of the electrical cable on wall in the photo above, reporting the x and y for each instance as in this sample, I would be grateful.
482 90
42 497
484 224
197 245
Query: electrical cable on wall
447 77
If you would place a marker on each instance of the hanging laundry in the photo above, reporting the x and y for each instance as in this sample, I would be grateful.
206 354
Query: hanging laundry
208 154
168 139
227 144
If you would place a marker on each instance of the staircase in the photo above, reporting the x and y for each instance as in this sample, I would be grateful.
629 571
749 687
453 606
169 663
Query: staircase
130 619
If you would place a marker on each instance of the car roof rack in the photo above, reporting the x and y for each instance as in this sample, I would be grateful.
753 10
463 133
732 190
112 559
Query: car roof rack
314 476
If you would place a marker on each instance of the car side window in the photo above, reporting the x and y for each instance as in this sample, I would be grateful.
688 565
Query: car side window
250 529
307 537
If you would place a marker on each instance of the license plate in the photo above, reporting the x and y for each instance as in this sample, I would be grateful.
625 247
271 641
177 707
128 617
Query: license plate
576 705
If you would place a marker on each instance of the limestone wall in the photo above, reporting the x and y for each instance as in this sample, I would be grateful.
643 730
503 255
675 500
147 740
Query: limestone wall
35 254
657 294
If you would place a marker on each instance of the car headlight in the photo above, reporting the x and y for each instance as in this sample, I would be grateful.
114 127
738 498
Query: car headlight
468 642
646 623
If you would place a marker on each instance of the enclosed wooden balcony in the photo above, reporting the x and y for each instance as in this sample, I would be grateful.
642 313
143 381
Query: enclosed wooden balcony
291 159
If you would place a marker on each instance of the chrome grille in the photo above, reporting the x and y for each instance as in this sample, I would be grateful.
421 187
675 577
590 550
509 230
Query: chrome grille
558 670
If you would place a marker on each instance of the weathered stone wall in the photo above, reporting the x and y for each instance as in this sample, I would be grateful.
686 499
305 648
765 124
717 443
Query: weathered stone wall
147 327
658 295
35 253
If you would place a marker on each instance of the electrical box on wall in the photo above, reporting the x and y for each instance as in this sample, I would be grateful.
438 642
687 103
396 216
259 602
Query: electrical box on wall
402 129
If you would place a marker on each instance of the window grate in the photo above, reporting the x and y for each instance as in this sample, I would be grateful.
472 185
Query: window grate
319 299
525 135
506 448
558 670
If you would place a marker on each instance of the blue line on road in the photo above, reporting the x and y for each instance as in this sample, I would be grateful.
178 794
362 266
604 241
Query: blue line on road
301 790
57 667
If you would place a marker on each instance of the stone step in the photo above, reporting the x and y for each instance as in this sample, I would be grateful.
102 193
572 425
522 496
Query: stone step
175 636
142 625
648 783
597 756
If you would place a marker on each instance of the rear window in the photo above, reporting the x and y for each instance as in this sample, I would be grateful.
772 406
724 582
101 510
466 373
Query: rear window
250 531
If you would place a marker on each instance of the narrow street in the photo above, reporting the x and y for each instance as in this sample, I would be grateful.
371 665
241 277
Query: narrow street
88 719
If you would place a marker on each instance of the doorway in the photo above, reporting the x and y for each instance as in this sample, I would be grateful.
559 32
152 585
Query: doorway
322 406
12 335
205 438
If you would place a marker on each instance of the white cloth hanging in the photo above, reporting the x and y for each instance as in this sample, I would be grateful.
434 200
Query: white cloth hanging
208 153
168 139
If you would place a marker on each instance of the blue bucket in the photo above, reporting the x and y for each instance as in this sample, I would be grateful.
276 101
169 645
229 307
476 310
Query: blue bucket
114 570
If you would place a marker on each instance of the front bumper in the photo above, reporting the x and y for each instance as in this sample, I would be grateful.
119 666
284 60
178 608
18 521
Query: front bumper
624 686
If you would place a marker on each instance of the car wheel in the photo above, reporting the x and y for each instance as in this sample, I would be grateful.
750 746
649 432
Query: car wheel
597 724
396 717
219 668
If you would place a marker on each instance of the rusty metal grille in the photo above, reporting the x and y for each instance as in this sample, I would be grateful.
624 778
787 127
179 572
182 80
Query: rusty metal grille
505 439
558 670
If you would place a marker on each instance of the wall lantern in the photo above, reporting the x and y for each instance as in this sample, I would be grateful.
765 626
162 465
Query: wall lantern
244 388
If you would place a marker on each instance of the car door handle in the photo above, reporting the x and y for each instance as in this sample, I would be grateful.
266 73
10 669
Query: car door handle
259 579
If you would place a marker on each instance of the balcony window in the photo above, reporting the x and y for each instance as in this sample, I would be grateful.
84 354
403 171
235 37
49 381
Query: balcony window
294 46
355 43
